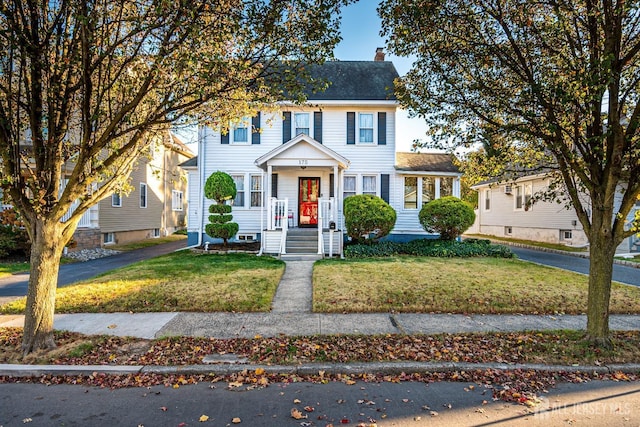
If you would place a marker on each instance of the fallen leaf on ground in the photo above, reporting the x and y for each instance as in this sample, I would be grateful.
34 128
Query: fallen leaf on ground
297 415
203 418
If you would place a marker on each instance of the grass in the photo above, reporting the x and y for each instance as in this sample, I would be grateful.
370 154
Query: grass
147 243
181 281
556 246
634 259
9 268
470 285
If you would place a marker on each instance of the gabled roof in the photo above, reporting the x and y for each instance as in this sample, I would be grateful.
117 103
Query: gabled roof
425 162
261 161
355 81
191 163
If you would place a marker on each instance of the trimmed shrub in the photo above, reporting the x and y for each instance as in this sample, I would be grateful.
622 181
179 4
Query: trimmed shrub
448 216
429 247
368 217
221 188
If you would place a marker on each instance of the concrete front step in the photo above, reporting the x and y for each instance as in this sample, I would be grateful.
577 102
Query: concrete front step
302 241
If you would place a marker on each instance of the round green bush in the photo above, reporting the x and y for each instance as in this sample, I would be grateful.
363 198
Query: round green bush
448 216
223 231
220 187
368 217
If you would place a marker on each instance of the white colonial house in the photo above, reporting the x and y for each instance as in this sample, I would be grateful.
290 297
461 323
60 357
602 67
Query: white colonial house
505 210
294 168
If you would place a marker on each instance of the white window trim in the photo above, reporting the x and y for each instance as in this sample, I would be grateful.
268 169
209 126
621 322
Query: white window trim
250 191
376 179
110 238
146 195
375 128
113 205
244 190
293 123
487 196
246 121
175 199
355 190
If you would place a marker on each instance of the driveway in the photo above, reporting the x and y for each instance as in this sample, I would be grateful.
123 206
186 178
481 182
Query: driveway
621 273
16 285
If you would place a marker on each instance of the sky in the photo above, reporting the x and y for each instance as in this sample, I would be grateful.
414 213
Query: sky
360 31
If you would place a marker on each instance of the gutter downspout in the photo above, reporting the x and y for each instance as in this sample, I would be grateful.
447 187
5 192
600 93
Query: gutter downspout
262 238
201 152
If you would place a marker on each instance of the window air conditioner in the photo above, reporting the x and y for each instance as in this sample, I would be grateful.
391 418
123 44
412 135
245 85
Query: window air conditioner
507 189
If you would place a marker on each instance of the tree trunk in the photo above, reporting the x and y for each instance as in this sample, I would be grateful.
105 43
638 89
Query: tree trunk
46 249
601 252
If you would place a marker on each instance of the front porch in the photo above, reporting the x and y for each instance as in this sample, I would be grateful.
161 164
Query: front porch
281 237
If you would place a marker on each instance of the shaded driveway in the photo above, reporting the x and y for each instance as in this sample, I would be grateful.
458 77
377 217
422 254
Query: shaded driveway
16 285
621 273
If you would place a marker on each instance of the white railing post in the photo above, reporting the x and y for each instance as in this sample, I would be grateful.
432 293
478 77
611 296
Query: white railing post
283 214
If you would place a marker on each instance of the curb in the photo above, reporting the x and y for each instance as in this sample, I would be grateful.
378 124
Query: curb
390 368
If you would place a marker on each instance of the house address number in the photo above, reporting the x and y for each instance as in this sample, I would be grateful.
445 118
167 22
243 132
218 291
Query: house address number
303 162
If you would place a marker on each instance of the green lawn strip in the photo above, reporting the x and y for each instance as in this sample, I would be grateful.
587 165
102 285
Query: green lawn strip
634 259
146 243
181 281
9 268
559 347
556 246
455 285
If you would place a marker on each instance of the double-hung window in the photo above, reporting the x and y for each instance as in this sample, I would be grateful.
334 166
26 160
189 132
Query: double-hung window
301 123
487 200
143 195
176 200
446 186
365 127
240 133
116 200
523 196
369 184
349 186
239 200
256 191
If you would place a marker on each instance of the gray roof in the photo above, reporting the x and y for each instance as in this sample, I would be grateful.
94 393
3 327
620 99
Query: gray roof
425 162
191 163
355 81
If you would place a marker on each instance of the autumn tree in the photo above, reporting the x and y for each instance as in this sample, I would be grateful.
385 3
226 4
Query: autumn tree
555 80
85 84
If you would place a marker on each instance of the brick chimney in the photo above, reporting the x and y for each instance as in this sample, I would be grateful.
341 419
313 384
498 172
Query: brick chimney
379 54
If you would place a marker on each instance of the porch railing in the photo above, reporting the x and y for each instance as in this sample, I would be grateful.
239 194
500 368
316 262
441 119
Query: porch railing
278 219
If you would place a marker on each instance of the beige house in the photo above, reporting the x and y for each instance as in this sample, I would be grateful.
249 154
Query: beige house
505 209
156 206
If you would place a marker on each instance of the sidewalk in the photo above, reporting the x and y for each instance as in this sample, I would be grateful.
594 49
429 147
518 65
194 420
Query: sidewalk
291 315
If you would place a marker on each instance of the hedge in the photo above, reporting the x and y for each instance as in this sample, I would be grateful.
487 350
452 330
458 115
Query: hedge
430 247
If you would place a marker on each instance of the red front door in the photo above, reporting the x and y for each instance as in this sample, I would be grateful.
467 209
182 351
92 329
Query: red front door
309 192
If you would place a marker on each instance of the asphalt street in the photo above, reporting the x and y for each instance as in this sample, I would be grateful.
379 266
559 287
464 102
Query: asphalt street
16 285
621 273
595 403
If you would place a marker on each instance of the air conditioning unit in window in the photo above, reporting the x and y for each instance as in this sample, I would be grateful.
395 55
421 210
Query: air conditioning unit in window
507 189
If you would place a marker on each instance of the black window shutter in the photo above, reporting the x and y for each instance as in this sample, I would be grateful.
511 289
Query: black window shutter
332 184
286 127
351 128
274 185
382 128
317 126
255 129
384 187
224 138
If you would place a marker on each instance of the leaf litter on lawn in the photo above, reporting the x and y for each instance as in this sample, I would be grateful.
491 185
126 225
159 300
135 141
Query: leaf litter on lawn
557 347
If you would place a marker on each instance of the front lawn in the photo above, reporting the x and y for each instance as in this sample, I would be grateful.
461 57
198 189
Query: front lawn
455 285
181 281
9 268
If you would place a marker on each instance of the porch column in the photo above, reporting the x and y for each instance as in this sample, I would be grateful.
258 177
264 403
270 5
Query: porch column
336 172
267 191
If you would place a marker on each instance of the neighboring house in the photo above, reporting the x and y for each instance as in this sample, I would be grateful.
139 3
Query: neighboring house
156 205
294 168
506 210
